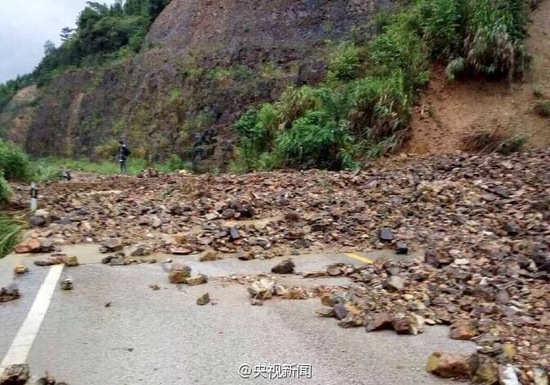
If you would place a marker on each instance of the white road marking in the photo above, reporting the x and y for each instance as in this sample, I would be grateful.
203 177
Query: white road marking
21 346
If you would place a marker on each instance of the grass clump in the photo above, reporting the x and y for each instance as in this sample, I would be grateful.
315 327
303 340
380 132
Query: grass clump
538 92
10 232
489 141
14 165
543 108
476 37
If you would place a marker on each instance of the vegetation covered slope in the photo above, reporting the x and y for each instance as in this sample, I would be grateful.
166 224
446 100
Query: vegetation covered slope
363 108
338 87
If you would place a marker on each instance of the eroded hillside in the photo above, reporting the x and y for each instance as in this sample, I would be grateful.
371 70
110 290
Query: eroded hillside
450 111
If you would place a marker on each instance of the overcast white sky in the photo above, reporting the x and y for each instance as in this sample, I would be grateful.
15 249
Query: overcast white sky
25 25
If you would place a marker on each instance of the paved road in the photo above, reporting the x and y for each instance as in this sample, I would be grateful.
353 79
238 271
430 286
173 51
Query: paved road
163 337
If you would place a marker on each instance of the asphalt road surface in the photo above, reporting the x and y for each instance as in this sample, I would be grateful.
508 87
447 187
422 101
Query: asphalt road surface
163 337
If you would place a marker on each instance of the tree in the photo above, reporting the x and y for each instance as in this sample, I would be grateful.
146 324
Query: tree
66 33
116 8
49 48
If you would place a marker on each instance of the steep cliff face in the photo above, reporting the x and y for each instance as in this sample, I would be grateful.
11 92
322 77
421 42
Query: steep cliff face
206 62
232 25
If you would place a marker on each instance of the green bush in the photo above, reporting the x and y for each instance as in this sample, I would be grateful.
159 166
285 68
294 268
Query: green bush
381 107
314 140
5 189
443 25
477 36
14 162
175 163
294 102
346 63
46 171
487 141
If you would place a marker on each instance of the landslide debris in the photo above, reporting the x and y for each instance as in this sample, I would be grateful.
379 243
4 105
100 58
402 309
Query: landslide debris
481 224
451 204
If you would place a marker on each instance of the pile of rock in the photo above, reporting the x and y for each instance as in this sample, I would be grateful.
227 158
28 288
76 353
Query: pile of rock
181 274
450 202
19 374
123 256
58 258
502 305
35 246
263 287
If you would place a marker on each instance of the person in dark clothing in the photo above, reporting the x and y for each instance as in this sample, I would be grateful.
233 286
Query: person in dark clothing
123 154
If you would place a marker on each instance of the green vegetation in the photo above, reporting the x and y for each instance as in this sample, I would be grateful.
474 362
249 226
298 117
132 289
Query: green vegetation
487 141
14 165
5 189
10 232
103 34
543 108
538 92
51 168
363 107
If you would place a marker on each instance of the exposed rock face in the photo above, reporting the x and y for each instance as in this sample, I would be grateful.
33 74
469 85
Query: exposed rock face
173 83
255 23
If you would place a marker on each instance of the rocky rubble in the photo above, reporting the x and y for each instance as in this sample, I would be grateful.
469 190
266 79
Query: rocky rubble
481 222
19 374
264 287
15 375
58 258
450 203
510 328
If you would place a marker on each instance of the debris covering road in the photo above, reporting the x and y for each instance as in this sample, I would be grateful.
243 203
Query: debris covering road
482 223
175 341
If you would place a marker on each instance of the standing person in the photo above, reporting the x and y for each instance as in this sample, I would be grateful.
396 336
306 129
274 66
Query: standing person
123 154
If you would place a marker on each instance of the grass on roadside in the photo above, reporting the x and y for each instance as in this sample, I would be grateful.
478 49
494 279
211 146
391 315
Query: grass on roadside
51 168
10 232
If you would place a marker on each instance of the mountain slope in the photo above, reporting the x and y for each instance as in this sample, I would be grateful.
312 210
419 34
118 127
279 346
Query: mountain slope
206 62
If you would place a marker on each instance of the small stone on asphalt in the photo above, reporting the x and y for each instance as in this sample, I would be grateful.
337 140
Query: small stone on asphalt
285 267
203 299
9 293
